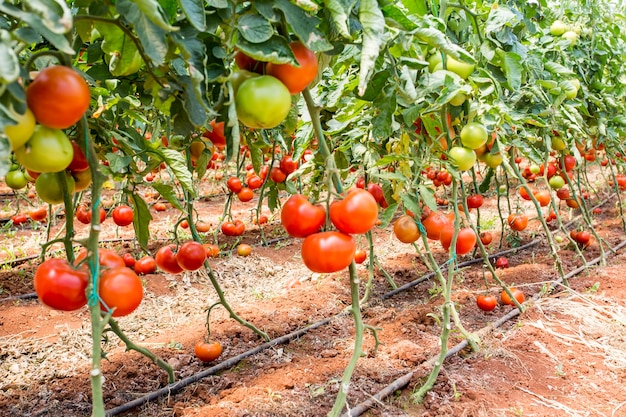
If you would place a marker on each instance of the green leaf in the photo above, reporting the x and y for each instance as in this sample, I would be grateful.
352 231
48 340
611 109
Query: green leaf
256 154
373 23
428 196
231 127
383 121
178 165
387 214
500 17
435 38
9 64
339 12
55 14
416 7
272 199
141 220
304 26
395 13
512 67
557 68
376 84
153 37
5 156
194 11
486 183
117 163
255 28
410 202
155 13
167 192
275 50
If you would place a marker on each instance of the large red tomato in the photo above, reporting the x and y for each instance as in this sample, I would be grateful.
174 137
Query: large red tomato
465 240
434 223
60 286
327 252
300 218
58 97
296 78
123 215
166 259
191 256
120 290
355 214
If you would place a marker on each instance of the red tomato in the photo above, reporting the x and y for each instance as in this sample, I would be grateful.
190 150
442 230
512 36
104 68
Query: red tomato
246 194
184 224
300 218
129 260
212 251
277 175
166 259
234 228
106 258
465 241
502 262
234 184
356 213
475 201
518 221
487 302
160 206
360 256
486 238
83 214
191 256
288 165
524 194
120 290
19 219
58 97
145 265
405 229
296 78
79 161
123 215
38 214
434 223
60 286
327 252
518 294
216 134
543 197
376 191
255 182
202 226
568 162
208 352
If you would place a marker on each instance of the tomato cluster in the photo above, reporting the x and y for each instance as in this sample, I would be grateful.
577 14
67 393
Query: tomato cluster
189 256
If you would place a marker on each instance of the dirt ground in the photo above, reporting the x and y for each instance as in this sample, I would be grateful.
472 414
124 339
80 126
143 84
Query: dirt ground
564 356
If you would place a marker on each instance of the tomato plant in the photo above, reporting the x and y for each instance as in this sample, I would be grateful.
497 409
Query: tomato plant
58 97
327 252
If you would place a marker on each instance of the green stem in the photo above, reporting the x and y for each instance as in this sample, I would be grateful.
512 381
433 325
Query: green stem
115 328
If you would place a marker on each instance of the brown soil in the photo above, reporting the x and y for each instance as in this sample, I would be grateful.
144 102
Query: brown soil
564 356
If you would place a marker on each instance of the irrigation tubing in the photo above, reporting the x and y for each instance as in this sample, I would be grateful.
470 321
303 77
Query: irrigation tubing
405 379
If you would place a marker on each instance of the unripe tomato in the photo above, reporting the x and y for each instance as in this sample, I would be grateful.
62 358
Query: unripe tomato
243 249
82 180
487 302
60 286
556 182
208 352
300 218
262 102
405 229
19 133
47 150
473 135
123 215
557 28
296 79
120 290
58 97
191 256
356 213
50 188
463 158
328 252
16 180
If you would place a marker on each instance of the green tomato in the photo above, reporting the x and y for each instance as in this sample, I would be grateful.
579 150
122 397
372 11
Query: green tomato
458 99
557 28
462 69
558 144
473 135
463 158
492 160
238 77
556 182
19 133
534 168
82 179
16 180
262 102
571 36
47 150
569 89
50 188
558 239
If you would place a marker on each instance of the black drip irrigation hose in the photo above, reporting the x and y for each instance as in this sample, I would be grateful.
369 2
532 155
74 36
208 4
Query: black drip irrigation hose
404 380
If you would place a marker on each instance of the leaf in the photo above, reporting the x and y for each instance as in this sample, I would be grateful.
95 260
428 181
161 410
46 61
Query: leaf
167 192
306 5
155 13
410 202
153 38
373 23
428 196
231 128
255 28
9 64
376 84
387 214
395 13
512 67
383 121
177 163
435 38
54 14
500 17
557 68
304 26
256 155
339 16
194 11
117 163
416 7
486 183
141 220
272 199
275 50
